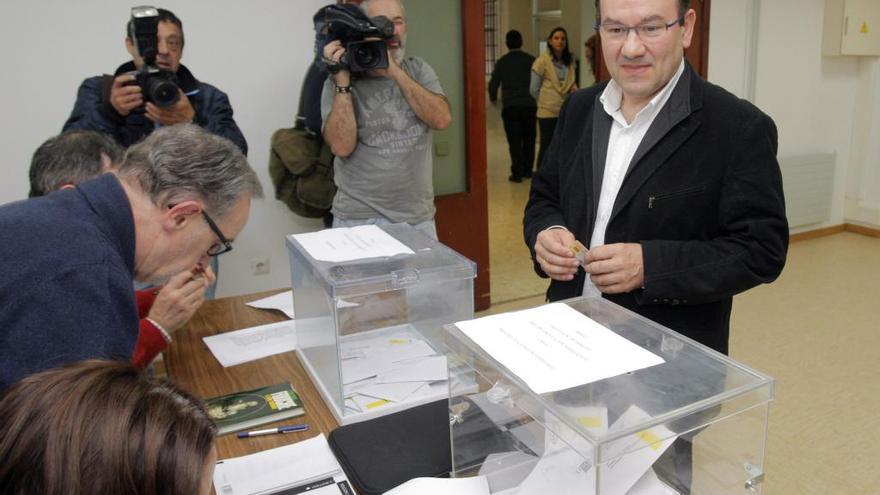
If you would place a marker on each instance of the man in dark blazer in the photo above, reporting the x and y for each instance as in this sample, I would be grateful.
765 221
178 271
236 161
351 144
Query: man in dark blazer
513 74
671 182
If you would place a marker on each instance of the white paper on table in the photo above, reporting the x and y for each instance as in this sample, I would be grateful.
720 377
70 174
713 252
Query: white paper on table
429 369
275 469
354 243
476 485
642 450
555 347
248 344
282 302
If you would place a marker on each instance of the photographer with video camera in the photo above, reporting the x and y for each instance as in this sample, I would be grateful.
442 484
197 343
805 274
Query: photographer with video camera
152 90
378 110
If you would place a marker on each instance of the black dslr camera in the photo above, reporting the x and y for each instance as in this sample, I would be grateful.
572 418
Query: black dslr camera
158 86
348 24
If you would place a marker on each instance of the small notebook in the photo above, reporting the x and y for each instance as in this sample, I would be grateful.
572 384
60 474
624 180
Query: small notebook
250 408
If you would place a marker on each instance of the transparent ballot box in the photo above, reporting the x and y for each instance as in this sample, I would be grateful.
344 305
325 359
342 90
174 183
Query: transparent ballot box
555 411
370 305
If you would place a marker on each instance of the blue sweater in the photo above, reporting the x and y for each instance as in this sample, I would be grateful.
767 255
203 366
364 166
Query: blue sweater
66 265
93 111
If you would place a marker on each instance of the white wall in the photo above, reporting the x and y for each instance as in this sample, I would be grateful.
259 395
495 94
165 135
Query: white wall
819 104
257 52
863 181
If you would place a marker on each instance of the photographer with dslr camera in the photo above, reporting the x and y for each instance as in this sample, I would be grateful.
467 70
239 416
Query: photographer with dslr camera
378 111
152 90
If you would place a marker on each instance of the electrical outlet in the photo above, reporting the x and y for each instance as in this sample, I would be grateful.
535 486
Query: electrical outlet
260 266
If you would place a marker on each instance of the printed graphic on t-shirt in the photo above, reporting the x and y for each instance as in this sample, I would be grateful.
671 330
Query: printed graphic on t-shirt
390 125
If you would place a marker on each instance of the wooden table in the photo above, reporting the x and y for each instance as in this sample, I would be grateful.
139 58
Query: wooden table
189 362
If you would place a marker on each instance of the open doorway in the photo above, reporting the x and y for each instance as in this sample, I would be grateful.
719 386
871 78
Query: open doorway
511 272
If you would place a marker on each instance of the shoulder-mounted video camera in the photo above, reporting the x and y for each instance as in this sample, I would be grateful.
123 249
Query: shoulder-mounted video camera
157 85
362 37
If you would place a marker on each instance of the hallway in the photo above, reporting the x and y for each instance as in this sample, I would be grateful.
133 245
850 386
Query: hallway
510 268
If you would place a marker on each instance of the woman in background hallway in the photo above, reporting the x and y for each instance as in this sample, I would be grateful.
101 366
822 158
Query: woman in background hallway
553 79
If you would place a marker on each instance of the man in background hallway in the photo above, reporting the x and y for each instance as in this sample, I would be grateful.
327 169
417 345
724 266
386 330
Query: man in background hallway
512 74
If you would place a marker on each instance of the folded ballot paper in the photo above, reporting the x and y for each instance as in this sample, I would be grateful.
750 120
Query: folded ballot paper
308 466
392 368
281 302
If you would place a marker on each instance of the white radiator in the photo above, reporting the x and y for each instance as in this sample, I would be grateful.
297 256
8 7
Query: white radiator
808 182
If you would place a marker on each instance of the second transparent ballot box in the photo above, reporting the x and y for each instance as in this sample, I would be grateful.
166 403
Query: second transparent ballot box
686 420
370 304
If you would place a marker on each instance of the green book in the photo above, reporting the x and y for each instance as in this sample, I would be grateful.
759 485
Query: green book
244 410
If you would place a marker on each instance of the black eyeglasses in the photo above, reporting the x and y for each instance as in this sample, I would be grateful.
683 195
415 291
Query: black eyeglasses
646 32
224 246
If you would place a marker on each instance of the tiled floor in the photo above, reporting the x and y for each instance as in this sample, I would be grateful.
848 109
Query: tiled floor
510 267
815 330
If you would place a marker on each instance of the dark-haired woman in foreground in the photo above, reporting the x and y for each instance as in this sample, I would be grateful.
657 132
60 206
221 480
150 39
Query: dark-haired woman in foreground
102 427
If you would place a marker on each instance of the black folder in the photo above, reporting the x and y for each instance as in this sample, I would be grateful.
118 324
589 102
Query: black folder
379 454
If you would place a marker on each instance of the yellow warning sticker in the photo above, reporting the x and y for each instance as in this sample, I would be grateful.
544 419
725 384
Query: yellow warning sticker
864 29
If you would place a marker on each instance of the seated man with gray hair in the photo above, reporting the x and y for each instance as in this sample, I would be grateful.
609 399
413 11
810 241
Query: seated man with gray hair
69 158
68 259
75 156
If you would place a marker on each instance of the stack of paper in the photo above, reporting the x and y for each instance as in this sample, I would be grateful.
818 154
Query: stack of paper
309 465
560 469
378 371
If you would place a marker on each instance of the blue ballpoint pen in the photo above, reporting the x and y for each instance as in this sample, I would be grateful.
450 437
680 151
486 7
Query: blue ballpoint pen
270 431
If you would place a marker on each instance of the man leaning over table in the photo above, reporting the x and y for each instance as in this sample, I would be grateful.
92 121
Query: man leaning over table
178 198
75 156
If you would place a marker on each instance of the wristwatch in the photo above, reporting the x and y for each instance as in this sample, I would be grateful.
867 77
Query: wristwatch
342 89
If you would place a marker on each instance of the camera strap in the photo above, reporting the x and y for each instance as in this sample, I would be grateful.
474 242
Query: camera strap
332 67
106 85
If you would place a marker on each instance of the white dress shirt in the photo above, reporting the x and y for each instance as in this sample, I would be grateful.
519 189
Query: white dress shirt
622 145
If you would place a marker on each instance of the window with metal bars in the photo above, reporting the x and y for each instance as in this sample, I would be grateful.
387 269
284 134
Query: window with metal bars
490 33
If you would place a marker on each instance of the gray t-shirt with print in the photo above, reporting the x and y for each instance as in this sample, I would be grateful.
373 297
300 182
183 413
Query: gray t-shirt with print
389 174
